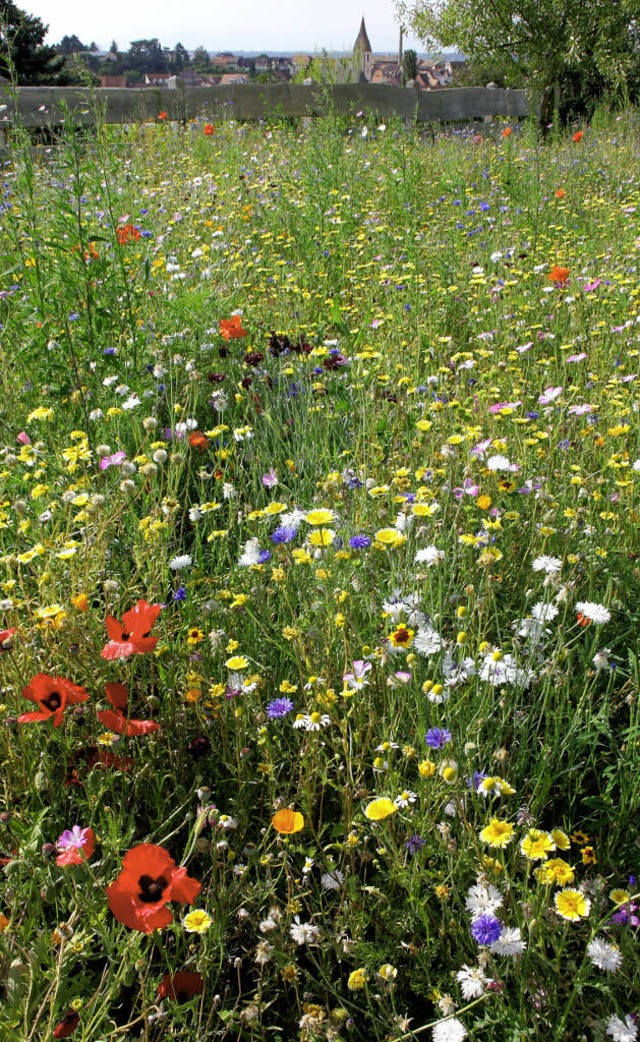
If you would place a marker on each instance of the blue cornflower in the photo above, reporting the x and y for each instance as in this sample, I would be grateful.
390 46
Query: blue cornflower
264 556
284 534
437 737
278 708
180 594
359 542
474 782
414 844
486 929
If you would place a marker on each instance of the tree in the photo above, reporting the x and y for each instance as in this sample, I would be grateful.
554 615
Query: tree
409 65
181 57
114 47
201 58
544 39
71 45
22 52
147 56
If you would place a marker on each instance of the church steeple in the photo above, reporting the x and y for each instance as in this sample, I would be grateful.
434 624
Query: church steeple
362 43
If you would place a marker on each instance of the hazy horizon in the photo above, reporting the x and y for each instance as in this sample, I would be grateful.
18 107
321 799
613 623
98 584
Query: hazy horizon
249 25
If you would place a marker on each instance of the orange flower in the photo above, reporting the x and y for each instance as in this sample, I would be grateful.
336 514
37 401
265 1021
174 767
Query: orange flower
582 620
127 233
560 193
559 276
286 822
209 129
198 440
162 115
231 328
578 136
507 132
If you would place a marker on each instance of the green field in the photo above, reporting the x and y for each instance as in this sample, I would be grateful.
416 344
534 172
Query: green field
319 507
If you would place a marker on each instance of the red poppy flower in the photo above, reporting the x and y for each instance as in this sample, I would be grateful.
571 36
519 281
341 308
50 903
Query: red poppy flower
67 1025
582 620
507 132
198 440
181 987
231 328
53 695
91 756
209 129
162 115
578 136
118 721
149 879
132 635
127 233
559 276
560 194
5 640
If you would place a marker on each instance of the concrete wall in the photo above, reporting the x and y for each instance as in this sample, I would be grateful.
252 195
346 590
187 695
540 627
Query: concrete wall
44 106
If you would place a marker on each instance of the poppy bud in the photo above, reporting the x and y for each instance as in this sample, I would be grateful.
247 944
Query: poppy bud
67 1025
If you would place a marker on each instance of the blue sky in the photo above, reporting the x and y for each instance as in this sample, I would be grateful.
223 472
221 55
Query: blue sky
249 25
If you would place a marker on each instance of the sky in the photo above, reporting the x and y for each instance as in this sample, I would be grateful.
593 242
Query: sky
240 25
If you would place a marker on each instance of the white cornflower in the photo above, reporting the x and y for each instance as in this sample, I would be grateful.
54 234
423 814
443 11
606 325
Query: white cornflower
509 943
544 612
601 659
332 880
604 955
622 1030
504 671
303 933
182 561
427 641
594 612
450 1030
472 982
483 900
499 463
293 518
429 555
264 953
250 554
131 402
636 465
548 565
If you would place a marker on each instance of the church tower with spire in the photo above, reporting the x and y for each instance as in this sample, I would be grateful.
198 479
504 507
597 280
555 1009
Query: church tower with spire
362 55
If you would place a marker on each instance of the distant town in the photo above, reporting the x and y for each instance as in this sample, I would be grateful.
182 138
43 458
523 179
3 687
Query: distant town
148 64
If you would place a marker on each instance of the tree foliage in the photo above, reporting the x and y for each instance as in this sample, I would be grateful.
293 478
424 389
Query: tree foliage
545 40
22 52
409 65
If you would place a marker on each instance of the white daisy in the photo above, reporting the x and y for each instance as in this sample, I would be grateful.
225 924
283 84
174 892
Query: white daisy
544 612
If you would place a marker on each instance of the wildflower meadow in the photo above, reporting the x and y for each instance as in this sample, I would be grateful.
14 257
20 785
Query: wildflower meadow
319 571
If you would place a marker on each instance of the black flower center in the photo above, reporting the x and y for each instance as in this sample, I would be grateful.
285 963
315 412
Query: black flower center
53 701
124 637
151 890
